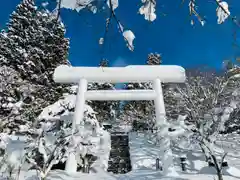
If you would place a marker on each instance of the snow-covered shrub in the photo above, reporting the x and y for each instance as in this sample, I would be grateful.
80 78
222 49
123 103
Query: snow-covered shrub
165 136
57 140
13 156
45 151
209 102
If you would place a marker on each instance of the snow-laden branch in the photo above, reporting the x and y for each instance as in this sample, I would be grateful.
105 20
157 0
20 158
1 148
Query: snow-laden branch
129 37
209 103
222 11
148 9
112 4
77 5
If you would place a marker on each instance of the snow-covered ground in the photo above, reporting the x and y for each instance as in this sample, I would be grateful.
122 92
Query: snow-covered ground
231 143
144 153
143 157
134 175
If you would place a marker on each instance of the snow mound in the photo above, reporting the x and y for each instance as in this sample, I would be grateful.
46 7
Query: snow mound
63 107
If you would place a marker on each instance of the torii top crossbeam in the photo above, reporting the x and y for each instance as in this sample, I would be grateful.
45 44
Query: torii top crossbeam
145 73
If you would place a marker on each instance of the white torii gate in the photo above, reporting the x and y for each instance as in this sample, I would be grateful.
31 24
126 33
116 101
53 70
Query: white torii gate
146 73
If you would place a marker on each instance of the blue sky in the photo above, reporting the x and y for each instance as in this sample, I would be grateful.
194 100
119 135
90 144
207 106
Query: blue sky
171 35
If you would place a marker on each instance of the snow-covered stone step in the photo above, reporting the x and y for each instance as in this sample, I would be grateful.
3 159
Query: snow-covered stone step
119 160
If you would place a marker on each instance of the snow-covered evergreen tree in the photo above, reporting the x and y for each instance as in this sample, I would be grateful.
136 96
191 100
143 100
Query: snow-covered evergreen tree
35 43
154 59
142 110
32 46
106 110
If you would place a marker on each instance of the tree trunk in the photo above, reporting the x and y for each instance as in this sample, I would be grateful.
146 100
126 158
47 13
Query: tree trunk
204 152
218 169
220 176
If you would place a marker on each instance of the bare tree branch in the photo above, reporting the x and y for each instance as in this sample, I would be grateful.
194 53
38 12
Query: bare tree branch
192 10
118 23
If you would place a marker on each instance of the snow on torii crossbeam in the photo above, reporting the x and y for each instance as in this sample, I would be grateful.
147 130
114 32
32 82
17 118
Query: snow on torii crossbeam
133 73
145 73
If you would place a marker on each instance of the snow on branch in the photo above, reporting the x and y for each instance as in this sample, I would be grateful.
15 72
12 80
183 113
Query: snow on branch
222 11
148 9
209 103
113 4
78 5
129 37
127 34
